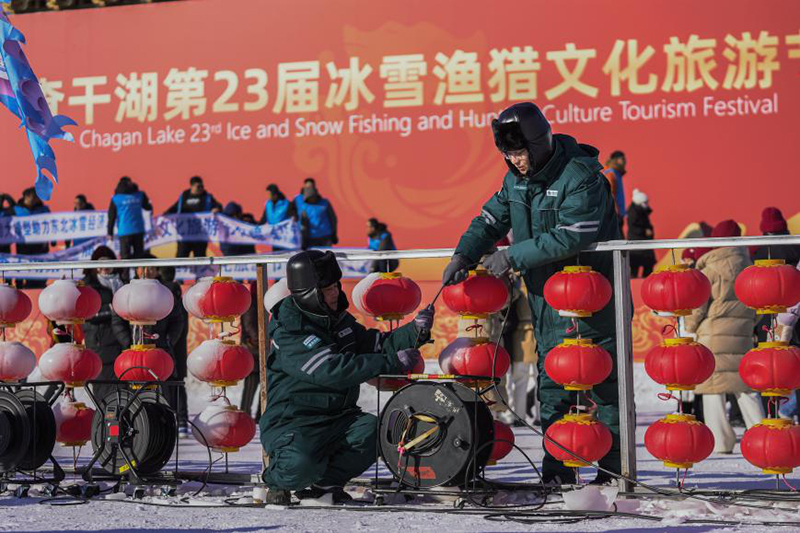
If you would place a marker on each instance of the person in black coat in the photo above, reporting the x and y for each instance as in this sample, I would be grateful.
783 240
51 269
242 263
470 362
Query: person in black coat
640 229
97 331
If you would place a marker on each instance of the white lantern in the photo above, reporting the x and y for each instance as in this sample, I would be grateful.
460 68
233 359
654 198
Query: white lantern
276 294
67 301
72 363
221 363
16 361
143 302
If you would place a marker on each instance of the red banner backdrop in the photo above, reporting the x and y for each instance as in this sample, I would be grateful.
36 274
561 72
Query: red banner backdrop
388 104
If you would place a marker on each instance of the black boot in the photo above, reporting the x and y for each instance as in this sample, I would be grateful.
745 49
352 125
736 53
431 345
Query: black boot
315 492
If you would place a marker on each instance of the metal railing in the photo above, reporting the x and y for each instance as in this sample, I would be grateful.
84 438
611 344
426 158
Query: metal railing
622 298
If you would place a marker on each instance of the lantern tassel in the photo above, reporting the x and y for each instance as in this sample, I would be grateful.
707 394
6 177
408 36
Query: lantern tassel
786 481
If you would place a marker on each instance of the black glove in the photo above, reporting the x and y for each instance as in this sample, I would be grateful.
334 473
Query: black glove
456 271
408 359
424 319
498 263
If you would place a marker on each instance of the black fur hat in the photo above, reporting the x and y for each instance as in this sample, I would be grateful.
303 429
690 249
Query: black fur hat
521 126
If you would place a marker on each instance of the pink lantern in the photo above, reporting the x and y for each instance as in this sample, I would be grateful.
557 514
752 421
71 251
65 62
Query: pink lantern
16 361
15 306
68 301
73 422
219 299
223 428
221 363
74 364
143 302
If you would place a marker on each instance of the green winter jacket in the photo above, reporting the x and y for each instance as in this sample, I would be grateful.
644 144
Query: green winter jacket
555 214
316 365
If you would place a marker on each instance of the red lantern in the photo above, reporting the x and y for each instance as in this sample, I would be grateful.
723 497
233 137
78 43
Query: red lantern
773 445
679 441
221 363
74 364
476 297
224 428
680 363
68 301
503 442
73 423
386 296
578 364
153 360
582 435
770 286
577 291
15 306
473 356
675 290
16 361
143 302
219 299
389 384
773 368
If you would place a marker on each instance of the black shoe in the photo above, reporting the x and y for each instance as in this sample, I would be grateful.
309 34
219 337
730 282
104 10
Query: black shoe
554 480
604 479
278 497
315 492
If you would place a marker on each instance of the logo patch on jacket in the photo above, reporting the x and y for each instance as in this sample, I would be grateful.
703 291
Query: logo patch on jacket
311 341
551 192
345 332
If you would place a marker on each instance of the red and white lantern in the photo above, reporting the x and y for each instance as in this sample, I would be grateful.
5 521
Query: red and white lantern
503 442
474 356
675 290
577 291
680 363
72 363
578 364
679 441
477 297
221 363
773 446
276 294
770 286
141 361
68 301
773 368
223 428
386 296
143 302
16 361
582 435
15 306
219 299
73 422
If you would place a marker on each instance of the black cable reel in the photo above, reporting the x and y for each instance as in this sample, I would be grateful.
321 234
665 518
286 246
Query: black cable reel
27 431
433 434
134 429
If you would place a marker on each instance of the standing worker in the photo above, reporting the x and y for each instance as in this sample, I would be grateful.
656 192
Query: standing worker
556 201
125 213
195 199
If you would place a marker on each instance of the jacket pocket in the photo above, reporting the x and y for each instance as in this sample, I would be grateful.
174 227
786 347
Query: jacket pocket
546 220
320 402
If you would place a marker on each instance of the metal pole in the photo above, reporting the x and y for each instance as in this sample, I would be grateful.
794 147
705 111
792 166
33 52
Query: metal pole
262 283
627 410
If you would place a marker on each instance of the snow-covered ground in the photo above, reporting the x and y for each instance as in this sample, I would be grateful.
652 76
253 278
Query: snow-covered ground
726 472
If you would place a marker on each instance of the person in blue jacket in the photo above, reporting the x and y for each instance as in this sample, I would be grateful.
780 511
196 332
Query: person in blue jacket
277 209
28 205
318 223
195 199
125 213
380 240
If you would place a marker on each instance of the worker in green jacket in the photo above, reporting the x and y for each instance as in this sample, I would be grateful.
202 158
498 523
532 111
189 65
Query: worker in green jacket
315 435
557 203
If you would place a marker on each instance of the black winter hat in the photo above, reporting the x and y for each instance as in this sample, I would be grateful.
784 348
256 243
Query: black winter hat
307 273
524 126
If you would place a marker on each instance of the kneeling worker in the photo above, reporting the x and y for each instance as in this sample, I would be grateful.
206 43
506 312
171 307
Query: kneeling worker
316 437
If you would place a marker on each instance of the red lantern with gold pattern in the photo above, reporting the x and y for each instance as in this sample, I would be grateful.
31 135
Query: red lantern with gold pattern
770 286
478 296
386 295
73 422
224 428
773 446
577 291
578 364
680 364
773 368
219 299
679 441
137 362
582 435
74 364
474 356
675 290
15 306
